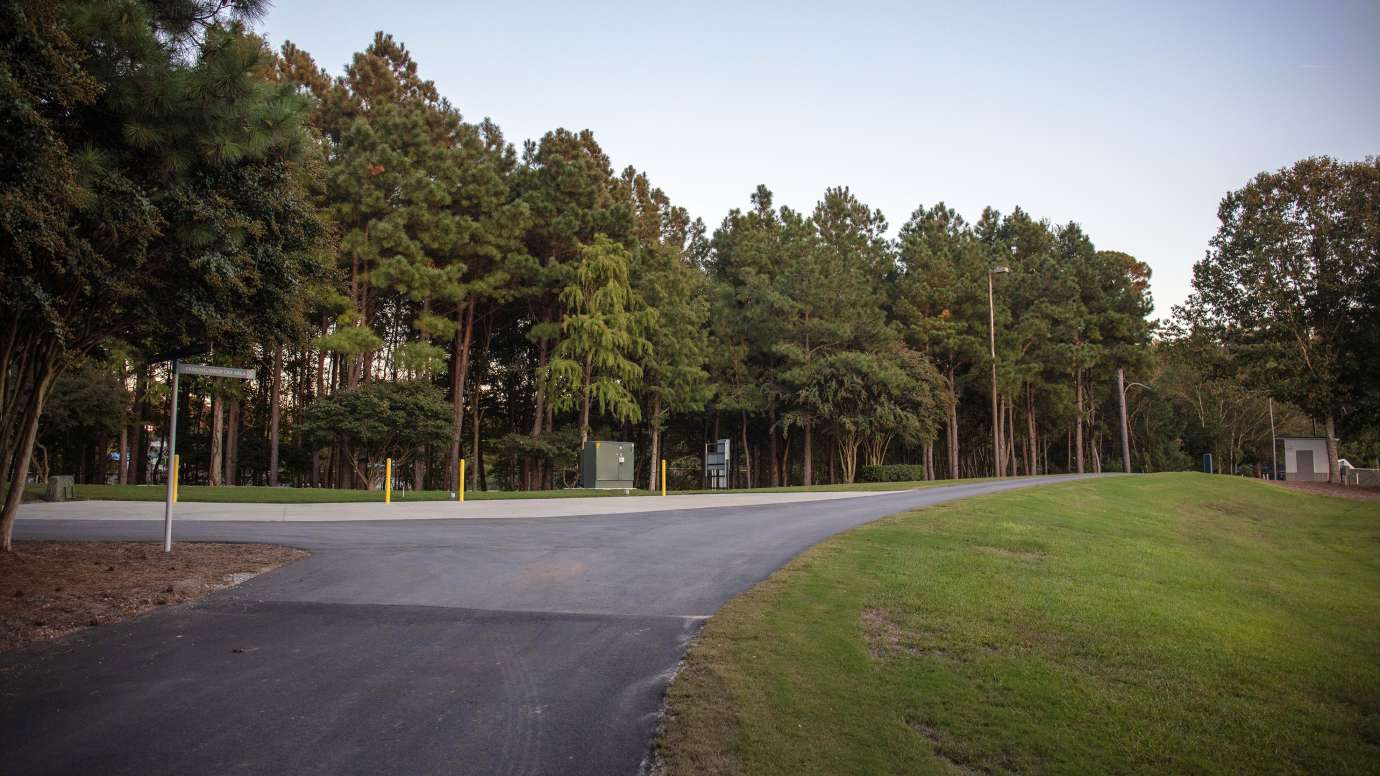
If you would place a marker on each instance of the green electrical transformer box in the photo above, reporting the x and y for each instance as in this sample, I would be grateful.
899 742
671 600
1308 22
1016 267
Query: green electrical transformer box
606 465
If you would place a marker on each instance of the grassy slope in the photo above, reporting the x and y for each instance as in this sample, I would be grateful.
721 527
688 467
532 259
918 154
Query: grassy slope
260 494
1168 623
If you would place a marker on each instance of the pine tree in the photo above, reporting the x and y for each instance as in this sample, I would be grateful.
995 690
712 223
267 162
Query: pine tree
603 336
159 205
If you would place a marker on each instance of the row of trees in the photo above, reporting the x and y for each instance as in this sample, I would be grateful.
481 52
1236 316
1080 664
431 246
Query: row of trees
409 285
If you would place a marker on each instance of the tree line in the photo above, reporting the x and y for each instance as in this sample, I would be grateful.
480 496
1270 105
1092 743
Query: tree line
411 284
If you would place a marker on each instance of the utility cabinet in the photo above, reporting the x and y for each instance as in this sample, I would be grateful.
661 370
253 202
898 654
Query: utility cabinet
606 465
717 459
62 487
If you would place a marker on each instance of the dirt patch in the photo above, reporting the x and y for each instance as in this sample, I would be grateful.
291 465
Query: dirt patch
1353 492
48 589
1028 556
942 749
888 639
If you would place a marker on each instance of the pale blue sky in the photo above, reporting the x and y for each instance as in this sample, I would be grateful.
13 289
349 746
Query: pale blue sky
1130 118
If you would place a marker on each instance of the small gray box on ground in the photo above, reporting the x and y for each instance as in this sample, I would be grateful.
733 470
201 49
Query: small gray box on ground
62 487
606 465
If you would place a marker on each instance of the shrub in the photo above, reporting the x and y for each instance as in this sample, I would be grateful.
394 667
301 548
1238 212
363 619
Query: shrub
896 472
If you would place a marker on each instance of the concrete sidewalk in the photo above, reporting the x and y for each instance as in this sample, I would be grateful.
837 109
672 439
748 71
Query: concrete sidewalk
420 510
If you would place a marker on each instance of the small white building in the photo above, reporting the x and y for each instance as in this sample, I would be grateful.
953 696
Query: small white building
1305 458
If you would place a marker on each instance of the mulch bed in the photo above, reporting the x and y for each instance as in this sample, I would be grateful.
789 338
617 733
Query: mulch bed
49 588
1353 492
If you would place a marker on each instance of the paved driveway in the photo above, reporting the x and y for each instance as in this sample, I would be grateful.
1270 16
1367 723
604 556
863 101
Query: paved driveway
534 646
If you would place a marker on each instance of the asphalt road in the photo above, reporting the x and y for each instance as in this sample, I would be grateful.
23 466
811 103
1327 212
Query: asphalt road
473 646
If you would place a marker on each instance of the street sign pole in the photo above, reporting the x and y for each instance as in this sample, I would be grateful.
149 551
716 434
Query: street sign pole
179 368
170 457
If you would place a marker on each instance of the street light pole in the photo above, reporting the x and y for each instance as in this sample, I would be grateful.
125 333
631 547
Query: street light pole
1125 433
1274 462
172 463
997 464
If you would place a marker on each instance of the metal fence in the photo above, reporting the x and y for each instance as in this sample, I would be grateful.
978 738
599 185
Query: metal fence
1368 478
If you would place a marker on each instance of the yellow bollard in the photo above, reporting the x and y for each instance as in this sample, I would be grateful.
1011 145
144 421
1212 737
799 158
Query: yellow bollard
388 482
462 480
177 466
663 476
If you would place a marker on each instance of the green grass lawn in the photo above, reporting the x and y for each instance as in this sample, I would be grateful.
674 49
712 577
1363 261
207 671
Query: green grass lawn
266 495
1179 623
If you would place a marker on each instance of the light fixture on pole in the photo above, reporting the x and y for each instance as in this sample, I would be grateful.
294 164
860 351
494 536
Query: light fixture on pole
997 466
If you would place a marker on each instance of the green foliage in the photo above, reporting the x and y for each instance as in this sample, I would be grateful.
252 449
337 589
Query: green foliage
664 275
149 195
1290 285
380 420
350 340
86 410
420 358
894 472
603 333
172 181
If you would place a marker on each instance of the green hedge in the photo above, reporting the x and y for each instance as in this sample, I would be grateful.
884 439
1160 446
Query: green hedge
896 472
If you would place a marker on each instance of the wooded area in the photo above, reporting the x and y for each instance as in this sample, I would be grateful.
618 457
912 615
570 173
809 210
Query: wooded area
410 284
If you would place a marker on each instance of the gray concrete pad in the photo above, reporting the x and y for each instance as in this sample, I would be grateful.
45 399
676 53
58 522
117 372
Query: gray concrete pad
539 646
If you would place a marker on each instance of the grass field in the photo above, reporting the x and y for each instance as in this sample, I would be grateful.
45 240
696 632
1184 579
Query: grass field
264 495
1178 623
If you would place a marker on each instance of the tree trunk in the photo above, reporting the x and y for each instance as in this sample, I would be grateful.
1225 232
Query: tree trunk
807 456
1334 472
747 456
475 466
954 472
140 464
654 468
929 460
774 473
1013 461
548 467
232 444
535 466
316 455
585 390
217 439
786 460
275 394
538 403
1078 421
459 374
1008 438
1033 446
46 374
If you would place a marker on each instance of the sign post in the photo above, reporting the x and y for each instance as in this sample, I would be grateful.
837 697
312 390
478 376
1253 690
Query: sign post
172 464
178 369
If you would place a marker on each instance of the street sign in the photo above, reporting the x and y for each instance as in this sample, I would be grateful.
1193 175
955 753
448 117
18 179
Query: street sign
179 369
214 371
